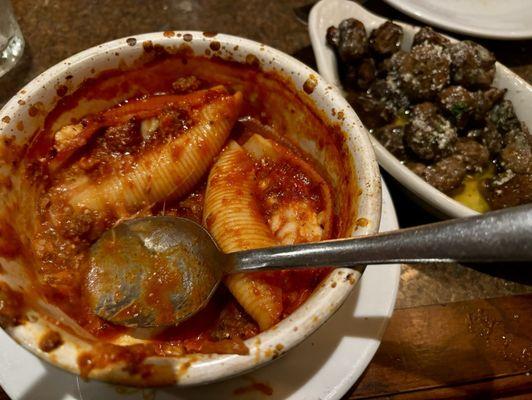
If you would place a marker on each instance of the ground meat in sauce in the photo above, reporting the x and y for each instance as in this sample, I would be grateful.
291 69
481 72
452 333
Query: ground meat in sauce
286 183
59 258
234 323
433 107
171 123
122 138
104 354
190 207
186 84
70 224
119 145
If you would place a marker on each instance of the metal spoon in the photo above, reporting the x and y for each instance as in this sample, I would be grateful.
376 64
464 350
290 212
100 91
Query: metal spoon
158 271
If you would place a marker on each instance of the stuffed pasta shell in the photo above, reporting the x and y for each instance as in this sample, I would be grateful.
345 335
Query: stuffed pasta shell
260 195
170 146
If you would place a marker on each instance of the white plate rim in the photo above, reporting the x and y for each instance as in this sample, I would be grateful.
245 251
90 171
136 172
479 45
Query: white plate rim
18 366
410 9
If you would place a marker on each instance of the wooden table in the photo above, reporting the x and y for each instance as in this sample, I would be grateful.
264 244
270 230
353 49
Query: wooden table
457 332
456 350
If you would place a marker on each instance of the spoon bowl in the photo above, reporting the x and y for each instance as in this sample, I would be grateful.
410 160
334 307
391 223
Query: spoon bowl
154 271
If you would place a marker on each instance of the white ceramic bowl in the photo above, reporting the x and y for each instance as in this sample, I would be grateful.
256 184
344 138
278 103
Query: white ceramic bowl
332 12
197 368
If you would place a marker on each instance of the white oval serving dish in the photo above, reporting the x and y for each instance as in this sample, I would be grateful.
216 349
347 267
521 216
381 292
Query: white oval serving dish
331 12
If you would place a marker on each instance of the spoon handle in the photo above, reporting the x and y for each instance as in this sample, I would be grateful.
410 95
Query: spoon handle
504 235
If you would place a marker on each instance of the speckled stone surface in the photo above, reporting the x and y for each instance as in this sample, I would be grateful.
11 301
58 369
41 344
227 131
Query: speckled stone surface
56 29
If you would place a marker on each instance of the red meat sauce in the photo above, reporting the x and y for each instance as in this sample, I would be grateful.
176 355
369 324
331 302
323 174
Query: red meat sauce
288 183
60 260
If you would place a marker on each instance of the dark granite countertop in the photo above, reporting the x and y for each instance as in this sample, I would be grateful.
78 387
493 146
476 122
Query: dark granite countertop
56 29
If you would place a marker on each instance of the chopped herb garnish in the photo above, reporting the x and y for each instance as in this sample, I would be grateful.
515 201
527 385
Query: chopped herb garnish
458 108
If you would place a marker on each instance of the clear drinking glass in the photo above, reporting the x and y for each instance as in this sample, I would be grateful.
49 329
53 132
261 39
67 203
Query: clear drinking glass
11 40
